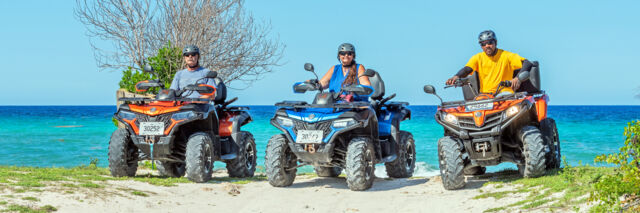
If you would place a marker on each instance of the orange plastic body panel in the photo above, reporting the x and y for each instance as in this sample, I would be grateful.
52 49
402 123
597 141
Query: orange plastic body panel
226 124
479 120
541 107
161 107
133 125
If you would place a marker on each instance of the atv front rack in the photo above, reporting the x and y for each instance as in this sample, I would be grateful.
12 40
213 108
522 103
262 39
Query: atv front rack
303 104
149 100
501 98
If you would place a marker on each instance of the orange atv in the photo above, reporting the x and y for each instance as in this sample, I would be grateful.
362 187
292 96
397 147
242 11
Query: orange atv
182 134
488 129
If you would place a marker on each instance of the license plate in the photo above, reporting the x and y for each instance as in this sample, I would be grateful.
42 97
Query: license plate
475 107
309 136
151 128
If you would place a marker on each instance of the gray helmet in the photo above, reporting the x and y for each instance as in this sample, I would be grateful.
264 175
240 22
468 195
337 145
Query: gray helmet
346 47
190 49
486 36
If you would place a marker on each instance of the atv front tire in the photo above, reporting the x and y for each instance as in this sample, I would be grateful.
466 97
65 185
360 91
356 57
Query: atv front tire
244 165
550 135
451 163
170 169
123 154
199 157
533 152
404 165
322 171
280 162
360 164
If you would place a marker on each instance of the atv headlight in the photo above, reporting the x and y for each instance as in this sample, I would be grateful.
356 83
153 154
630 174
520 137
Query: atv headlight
284 121
127 115
342 123
449 118
513 110
183 115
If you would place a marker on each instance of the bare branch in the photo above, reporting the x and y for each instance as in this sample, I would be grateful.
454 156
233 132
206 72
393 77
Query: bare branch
230 39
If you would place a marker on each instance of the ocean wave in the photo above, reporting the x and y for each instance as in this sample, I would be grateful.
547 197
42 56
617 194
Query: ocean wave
423 169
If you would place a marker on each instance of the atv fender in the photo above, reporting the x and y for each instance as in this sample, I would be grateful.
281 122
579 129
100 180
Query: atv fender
240 119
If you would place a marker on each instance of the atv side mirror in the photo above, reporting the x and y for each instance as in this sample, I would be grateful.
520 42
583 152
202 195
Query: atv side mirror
369 73
211 74
523 76
148 69
308 67
429 89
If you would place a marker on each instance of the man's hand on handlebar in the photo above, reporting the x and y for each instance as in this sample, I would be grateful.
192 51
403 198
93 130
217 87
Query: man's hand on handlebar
452 80
515 83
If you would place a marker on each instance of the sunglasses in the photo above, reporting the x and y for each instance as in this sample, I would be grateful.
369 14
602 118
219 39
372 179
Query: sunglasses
485 43
190 54
345 53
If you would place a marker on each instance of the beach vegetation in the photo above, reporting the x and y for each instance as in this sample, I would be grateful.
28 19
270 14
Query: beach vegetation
31 198
139 193
559 189
28 209
620 190
165 63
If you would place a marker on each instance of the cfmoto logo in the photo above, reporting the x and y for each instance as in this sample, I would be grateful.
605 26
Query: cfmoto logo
153 109
311 116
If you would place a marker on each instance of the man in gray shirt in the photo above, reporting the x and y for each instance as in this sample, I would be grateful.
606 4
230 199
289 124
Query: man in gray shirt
192 73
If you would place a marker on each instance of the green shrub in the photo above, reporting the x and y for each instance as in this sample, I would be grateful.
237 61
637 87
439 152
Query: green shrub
165 63
625 182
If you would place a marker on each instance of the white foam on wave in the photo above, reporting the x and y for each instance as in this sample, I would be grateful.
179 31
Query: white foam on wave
422 170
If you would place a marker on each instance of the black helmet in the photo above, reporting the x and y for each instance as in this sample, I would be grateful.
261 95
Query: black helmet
190 49
346 47
486 36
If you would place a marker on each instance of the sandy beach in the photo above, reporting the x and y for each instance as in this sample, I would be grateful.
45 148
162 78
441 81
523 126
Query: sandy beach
308 194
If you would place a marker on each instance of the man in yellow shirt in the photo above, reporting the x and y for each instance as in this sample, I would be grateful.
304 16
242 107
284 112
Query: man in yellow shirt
493 66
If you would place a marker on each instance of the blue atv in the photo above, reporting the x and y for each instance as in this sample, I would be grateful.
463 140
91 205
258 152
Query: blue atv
332 135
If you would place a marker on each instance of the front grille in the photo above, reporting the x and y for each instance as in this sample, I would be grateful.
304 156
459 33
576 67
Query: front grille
325 126
490 121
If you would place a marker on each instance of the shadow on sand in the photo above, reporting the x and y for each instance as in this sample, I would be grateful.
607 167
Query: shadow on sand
380 184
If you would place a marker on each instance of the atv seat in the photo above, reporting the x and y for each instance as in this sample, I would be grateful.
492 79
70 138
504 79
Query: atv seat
221 91
378 86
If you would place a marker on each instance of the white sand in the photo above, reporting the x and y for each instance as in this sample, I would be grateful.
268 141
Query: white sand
307 194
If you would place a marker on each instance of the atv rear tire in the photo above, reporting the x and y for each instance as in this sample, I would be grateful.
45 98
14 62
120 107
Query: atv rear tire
476 170
170 169
123 154
404 165
551 139
322 171
280 162
451 163
244 165
199 157
360 164
533 152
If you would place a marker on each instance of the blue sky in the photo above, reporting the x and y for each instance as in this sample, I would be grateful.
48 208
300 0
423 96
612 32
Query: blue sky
588 50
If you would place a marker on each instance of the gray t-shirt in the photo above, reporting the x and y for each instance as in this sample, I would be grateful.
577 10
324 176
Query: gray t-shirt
185 77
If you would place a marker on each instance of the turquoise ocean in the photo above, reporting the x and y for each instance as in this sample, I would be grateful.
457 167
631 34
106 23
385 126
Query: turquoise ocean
68 136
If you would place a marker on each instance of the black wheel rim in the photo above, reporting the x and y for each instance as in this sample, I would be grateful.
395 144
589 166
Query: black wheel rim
208 158
368 170
249 156
410 156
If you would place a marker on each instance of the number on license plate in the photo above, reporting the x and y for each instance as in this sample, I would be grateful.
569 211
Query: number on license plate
151 128
475 107
309 136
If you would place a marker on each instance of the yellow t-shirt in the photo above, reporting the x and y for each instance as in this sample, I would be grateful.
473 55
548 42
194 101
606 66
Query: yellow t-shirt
494 69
